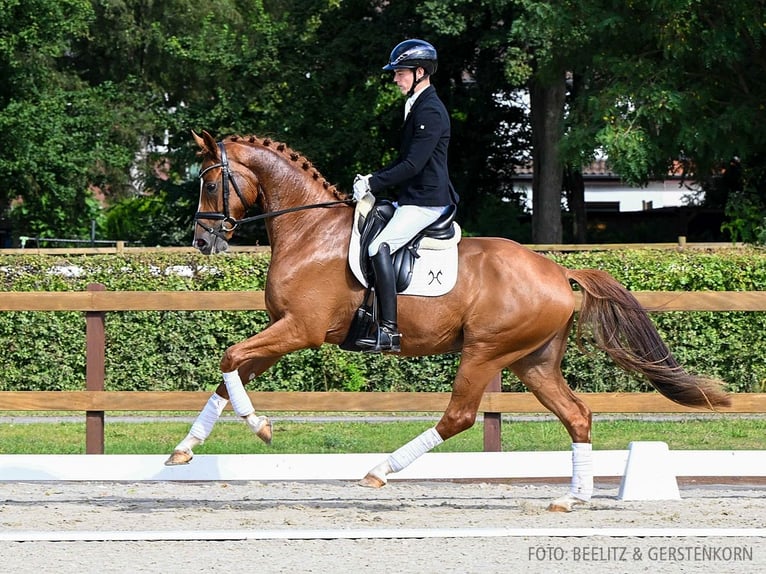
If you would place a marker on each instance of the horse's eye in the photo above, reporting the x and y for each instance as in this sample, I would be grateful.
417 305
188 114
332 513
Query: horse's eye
211 186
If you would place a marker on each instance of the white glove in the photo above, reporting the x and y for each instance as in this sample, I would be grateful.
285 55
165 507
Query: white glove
361 186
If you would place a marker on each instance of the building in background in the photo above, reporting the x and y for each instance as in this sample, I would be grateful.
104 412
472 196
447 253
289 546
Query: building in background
662 211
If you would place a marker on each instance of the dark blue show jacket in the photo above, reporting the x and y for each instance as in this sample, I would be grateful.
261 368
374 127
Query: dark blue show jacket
420 170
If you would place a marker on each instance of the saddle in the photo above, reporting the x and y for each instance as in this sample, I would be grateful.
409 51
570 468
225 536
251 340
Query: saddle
426 266
404 259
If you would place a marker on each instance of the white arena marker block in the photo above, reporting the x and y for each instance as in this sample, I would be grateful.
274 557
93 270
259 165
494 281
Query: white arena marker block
649 473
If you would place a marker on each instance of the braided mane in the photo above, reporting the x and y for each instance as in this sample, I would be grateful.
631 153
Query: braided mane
290 154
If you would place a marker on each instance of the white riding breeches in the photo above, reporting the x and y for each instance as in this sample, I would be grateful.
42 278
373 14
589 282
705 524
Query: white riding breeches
406 223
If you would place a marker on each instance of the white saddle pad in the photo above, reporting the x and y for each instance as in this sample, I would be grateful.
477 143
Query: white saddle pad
434 272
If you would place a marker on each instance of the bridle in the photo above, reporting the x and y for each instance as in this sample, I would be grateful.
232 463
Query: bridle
229 223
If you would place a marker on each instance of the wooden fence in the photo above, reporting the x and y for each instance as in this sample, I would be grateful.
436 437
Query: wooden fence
121 247
94 401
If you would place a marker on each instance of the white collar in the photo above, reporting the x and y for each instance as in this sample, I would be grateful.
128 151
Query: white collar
410 101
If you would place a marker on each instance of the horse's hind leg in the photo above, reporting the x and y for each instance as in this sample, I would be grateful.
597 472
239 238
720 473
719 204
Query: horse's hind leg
230 390
473 376
541 373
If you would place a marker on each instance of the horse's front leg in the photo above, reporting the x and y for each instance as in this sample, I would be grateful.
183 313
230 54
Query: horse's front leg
244 361
211 412
459 416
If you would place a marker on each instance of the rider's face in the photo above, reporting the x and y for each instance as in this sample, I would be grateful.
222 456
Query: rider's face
404 78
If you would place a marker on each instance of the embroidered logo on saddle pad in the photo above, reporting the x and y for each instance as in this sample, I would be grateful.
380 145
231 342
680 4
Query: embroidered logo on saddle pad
427 266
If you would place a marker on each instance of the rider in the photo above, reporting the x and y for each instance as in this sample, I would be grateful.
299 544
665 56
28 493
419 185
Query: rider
420 172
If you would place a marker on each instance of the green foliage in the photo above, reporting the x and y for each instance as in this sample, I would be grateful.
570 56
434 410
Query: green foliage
747 219
628 152
67 136
33 34
674 81
166 350
103 94
293 437
151 219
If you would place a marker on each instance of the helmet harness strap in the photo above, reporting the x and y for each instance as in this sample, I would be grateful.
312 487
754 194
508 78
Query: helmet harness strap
416 80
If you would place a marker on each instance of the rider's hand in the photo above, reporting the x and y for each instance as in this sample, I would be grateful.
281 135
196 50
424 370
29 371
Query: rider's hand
361 186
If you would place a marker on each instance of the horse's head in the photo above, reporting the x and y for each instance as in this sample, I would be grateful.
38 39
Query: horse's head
219 210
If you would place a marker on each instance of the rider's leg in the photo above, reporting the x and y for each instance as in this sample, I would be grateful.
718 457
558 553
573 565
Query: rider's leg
387 337
407 221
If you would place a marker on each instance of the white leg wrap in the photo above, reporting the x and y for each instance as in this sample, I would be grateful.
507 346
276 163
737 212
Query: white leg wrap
418 446
240 402
582 471
210 414
203 425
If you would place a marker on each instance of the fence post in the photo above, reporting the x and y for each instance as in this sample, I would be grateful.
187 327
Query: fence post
95 350
492 441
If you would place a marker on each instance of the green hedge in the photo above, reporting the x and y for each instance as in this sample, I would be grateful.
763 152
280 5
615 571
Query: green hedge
181 350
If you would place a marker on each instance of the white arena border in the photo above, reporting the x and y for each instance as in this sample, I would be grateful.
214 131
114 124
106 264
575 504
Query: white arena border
308 467
375 534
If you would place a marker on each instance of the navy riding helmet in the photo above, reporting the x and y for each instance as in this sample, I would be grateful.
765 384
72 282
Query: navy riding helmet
413 54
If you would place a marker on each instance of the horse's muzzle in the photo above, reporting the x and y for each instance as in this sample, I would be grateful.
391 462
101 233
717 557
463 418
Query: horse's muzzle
208 244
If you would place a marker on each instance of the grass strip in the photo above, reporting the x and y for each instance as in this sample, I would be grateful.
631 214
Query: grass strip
233 437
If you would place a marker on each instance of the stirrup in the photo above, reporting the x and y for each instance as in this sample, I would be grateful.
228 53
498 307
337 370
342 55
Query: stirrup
386 339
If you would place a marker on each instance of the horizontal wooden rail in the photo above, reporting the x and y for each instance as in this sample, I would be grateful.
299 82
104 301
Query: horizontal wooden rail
120 247
656 301
349 402
99 301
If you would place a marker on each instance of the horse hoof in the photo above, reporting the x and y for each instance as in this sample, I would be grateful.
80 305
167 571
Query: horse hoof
179 457
372 481
263 429
566 504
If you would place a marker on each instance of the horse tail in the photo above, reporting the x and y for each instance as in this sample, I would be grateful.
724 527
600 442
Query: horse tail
621 327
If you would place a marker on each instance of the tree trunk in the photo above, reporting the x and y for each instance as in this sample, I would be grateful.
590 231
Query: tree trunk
574 186
547 113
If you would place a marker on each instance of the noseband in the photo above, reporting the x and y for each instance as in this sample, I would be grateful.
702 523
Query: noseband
228 223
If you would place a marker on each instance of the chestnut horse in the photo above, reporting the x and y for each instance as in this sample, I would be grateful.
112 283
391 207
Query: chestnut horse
511 308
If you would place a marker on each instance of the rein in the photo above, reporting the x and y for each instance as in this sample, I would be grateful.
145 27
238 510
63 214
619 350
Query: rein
228 223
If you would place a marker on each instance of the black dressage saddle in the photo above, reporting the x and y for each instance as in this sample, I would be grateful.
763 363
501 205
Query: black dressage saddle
404 258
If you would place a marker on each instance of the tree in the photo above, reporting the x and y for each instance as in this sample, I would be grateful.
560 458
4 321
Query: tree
302 71
64 137
341 110
679 82
361 108
64 145
31 38
536 43
101 96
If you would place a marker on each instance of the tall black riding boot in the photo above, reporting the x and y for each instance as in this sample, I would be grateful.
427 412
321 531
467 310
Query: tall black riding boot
387 337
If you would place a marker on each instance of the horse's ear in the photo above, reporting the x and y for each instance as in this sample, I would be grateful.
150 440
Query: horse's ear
207 143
